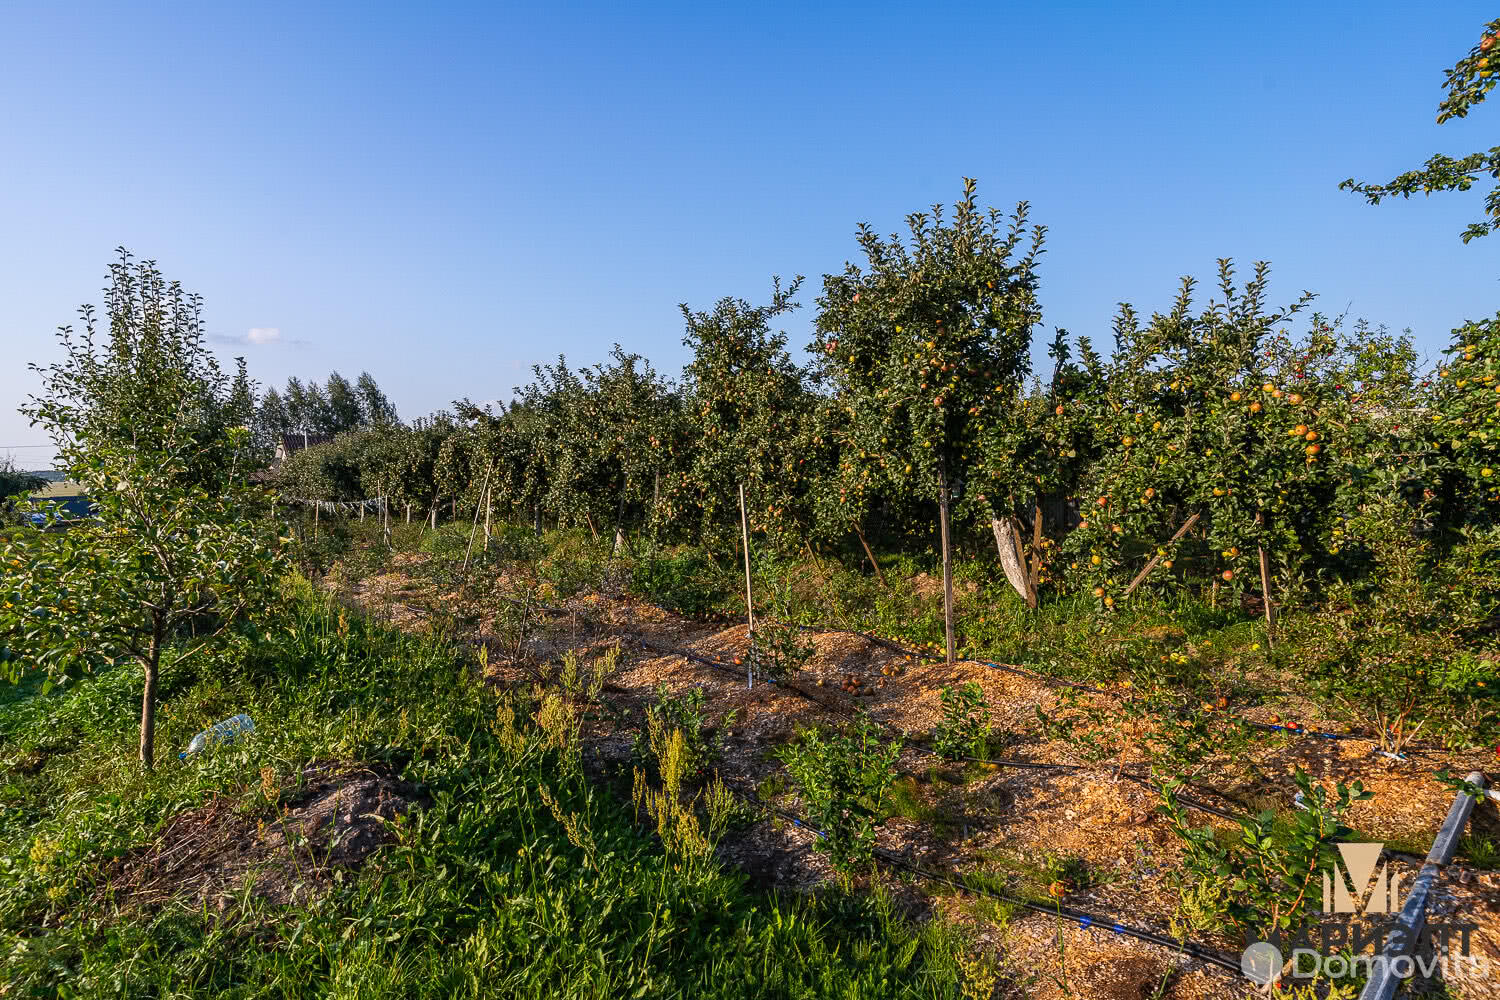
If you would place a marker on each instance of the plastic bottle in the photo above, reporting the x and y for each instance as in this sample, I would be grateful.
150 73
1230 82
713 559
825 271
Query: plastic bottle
227 731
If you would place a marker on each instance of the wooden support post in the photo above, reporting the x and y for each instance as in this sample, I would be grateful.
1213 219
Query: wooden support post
813 555
408 512
317 509
590 519
1186 527
1030 578
489 503
475 528
1265 585
870 555
749 603
434 516
947 558
1036 552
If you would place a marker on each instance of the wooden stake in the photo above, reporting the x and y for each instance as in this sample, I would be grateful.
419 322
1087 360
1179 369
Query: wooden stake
1186 527
749 604
317 509
1036 551
879 573
816 561
947 559
590 519
475 528
1265 584
408 512
434 516
489 503
1030 595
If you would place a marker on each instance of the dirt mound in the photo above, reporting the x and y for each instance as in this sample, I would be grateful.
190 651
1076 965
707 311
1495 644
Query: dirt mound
212 853
1103 976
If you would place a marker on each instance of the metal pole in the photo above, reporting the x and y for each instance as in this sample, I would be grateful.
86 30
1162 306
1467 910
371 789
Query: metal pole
1403 937
749 607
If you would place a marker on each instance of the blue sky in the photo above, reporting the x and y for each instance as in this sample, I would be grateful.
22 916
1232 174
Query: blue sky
446 194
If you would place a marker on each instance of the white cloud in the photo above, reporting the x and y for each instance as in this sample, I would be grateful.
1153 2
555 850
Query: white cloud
258 336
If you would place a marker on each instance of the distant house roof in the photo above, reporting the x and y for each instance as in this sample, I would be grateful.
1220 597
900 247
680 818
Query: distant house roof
296 442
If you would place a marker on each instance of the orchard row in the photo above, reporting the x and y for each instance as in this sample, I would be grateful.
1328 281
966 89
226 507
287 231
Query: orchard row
1277 433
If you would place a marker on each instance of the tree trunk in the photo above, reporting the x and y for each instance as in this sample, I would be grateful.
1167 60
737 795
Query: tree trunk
620 518
148 703
879 573
1007 544
947 559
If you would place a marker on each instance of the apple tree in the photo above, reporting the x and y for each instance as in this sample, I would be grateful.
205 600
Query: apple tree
141 415
750 403
1468 82
926 346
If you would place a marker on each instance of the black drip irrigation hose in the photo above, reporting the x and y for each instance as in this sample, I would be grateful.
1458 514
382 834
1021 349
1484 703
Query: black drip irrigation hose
1051 681
1085 920
921 656
997 762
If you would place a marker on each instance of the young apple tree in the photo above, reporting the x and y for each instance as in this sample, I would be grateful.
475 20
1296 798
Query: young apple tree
142 417
926 346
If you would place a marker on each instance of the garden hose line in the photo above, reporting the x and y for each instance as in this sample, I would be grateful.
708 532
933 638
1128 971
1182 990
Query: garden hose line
1085 920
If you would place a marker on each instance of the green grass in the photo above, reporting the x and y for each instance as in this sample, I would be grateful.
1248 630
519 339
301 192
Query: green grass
905 799
484 893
